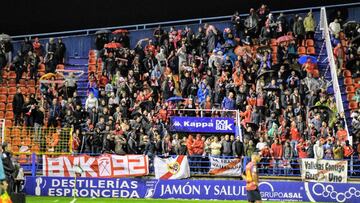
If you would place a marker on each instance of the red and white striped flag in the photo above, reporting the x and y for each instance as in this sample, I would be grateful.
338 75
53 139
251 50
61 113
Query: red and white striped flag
172 168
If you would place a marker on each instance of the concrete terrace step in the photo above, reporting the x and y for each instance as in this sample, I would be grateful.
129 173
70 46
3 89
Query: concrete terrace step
77 60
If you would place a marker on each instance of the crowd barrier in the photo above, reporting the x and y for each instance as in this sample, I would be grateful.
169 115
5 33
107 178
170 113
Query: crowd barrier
201 166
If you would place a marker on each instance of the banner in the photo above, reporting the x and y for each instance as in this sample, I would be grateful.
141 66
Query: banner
229 167
202 125
172 168
324 170
190 189
106 165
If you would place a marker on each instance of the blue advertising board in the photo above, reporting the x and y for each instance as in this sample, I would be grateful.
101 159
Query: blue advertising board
191 189
202 125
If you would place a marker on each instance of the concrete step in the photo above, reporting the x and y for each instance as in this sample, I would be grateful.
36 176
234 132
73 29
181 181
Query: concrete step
77 60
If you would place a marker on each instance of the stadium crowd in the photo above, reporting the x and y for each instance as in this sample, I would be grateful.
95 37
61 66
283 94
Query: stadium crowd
285 109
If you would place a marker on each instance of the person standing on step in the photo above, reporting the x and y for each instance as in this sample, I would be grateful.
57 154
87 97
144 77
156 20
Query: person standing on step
60 51
70 83
18 104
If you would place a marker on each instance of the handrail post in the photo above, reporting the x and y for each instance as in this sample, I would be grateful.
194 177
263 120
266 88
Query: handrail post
244 163
33 164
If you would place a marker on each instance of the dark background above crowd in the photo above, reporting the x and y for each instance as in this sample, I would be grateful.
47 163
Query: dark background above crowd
25 17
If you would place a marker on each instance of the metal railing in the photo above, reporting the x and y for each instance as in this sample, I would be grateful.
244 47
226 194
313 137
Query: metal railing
166 23
333 68
200 166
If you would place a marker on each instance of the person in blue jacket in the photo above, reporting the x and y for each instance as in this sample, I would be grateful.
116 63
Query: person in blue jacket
202 93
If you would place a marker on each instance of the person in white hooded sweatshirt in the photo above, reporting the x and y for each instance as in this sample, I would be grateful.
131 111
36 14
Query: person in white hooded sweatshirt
91 102
318 150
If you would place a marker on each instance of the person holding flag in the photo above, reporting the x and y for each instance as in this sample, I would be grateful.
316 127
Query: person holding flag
252 179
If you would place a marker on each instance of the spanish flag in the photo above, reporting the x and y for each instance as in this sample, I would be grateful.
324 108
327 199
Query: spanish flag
5 198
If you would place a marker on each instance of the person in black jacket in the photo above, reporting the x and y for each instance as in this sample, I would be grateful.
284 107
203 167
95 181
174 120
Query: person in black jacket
18 104
60 51
33 62
132 143
50 63
19 64
238 148
100 41
150 148
9 167
38 122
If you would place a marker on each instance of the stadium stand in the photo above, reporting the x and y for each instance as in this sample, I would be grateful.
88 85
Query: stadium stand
118 98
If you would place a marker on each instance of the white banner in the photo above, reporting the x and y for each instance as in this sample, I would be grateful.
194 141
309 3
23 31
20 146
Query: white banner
229 167
106 166
172 168
324 170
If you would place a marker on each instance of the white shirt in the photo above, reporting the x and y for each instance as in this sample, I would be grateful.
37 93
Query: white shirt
260 145
334 28
91 103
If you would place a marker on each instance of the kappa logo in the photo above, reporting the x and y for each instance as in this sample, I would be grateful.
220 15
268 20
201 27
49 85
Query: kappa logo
177 124
223 125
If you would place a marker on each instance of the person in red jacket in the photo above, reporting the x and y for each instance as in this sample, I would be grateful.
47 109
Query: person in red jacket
198 150
294 135
348 150
246 115
198 146
301 149
189 145
265 154
276 153
341 134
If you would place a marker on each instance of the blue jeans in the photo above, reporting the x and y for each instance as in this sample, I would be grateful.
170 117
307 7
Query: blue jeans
293 144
